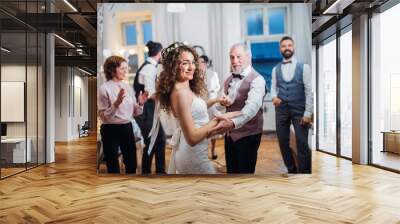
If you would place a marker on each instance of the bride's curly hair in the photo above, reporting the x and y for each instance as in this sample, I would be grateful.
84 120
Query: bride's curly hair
170 74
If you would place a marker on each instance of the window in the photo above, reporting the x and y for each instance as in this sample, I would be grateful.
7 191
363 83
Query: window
276 20
327 97
254 18
137 32
346 94
147 31
130 34
261 21
394 101
385 89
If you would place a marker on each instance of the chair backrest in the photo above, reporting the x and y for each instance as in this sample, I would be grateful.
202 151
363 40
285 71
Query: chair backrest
86 125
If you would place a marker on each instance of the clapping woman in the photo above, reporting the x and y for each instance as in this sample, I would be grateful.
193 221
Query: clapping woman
116 107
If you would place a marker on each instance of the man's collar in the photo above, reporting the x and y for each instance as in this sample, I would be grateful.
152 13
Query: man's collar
292 60
243 74
152 61
246 71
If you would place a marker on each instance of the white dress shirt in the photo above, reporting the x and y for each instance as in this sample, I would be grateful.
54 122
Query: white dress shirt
254 100
108 94
213 88
288 70
148 76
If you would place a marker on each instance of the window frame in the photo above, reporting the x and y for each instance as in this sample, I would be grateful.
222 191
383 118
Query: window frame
266 36
124 39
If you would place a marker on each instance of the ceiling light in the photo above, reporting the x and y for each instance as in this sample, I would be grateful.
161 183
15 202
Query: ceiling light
64 40
5 49
86 72
70 5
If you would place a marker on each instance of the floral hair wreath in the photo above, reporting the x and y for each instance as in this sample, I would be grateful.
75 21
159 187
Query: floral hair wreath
171 48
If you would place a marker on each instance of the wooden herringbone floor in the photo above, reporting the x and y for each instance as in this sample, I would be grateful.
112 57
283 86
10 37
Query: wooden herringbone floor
70 191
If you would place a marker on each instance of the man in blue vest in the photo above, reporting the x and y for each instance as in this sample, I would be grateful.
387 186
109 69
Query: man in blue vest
291 91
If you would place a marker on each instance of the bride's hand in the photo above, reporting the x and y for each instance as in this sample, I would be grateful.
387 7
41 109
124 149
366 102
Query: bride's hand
223 125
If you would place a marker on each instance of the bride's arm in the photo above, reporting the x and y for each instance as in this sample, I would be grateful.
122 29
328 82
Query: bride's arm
192 134
211 102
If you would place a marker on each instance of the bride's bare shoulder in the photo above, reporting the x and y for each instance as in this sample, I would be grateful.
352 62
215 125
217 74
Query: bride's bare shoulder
182 97
181 92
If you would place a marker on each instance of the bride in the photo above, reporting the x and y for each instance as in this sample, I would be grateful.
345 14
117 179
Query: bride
179 90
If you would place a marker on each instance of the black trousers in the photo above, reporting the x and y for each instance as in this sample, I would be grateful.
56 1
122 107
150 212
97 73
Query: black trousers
241 156
119 136
145 122
286 115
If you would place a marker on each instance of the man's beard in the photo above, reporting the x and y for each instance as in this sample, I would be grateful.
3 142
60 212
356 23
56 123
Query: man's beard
287 54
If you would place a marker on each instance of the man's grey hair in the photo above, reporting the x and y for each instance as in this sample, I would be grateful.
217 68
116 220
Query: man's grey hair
244 46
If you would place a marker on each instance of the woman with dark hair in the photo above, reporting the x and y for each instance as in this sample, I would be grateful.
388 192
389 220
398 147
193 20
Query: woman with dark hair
179 88
116 106
212 83
145 80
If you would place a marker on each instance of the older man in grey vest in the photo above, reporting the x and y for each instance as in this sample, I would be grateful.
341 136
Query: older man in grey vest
245 90
291 91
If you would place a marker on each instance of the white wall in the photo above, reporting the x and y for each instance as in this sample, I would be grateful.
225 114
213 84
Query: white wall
67 117
61 103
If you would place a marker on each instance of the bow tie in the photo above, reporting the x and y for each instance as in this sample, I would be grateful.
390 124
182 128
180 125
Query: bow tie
287 62
237 76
